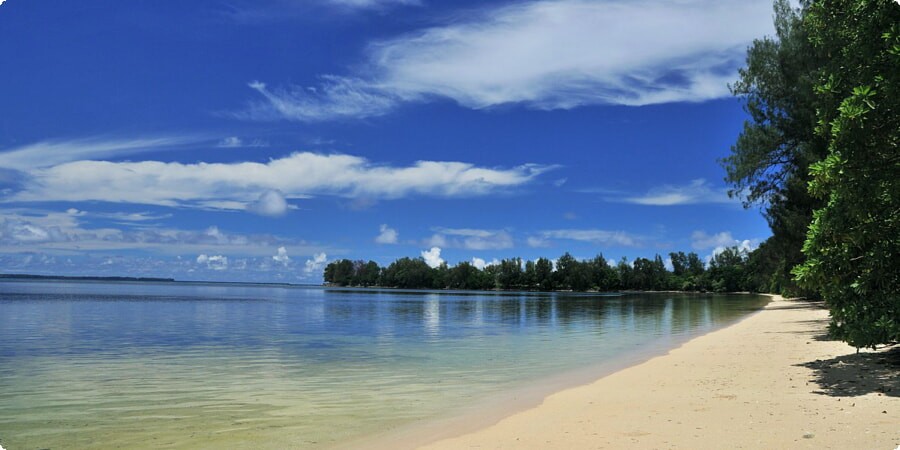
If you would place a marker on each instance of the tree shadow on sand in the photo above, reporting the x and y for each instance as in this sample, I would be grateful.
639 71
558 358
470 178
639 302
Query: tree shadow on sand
858 374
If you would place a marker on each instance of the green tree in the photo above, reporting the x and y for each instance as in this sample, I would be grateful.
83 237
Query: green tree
727 270
603 276
543 270
625 274
339 273
769 163
465 276
510 274
679 263
853 244
366 274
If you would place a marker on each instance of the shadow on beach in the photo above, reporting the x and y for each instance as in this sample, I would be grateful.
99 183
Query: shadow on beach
858 374
799 304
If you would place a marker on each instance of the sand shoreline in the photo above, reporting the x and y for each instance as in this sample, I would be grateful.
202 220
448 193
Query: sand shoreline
770 380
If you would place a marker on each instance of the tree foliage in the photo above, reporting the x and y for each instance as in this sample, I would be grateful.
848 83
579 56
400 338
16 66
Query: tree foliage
853 243
769 163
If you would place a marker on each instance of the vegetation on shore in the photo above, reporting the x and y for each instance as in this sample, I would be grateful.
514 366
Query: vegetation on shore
821 156
728 271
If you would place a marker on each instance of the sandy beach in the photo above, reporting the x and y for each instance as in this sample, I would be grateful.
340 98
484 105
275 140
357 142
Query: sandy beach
770 381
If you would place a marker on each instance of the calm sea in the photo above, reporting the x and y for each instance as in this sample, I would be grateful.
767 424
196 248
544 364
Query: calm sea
144 365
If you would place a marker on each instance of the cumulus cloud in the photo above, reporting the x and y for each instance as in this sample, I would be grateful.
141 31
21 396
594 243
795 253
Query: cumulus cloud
387 235
697 191
316 264
546 55
213 262
471 238
594 236
481 264
718 242
235 185
270 203
282 257
432 257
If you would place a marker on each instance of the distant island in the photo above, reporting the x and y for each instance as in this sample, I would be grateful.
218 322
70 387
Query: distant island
731 270
26 276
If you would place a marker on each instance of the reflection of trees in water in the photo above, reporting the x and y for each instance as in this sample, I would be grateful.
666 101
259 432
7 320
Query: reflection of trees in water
432 312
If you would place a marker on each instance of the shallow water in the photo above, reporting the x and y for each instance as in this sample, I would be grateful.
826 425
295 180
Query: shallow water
141 365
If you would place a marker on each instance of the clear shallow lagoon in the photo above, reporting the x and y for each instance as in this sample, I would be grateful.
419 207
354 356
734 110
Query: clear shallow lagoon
143 365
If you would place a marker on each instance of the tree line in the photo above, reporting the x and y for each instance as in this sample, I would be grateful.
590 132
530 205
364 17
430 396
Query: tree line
731 270
820 154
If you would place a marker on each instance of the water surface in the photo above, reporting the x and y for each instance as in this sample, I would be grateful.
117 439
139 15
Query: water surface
144 365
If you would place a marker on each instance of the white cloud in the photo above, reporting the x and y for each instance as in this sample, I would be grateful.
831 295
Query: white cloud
537 242
387 236
371 4
231 142
432 257
481 264
51 153
234 185
24 231
316 264
718 242
697 191
594 236
270 203
336 97
436 240
700 240
282 257
130 217
546 55
471 238
214 262
236 142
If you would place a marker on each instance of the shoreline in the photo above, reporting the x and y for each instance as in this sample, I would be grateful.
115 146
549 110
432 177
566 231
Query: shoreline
769 380
524 396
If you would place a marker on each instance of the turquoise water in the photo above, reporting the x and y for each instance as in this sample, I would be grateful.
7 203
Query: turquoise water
143 365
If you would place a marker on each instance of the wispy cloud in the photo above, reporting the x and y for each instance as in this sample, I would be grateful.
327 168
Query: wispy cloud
65 233
697 191
51 153
239 184
236 142
545 55
594 236
471 239
265 11
370 4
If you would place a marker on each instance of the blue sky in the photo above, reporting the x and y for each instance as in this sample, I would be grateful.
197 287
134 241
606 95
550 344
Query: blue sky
255 141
